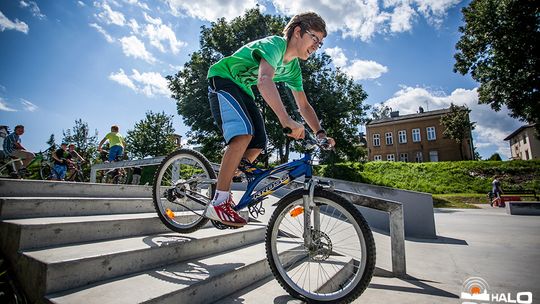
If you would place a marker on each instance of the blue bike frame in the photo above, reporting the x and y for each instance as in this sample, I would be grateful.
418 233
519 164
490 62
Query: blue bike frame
296 168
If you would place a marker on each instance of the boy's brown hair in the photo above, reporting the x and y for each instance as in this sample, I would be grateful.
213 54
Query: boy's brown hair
114 128
306 21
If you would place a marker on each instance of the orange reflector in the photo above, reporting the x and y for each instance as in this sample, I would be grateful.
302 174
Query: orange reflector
296 211
169 213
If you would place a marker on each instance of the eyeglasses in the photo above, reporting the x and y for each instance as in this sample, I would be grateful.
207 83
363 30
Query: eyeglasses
315 39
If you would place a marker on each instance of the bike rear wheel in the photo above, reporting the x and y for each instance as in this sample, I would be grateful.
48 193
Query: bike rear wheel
183 172
45 171
338 265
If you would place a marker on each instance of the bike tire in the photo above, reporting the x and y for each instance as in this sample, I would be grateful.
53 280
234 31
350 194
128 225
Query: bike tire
45 171
158 195
345 284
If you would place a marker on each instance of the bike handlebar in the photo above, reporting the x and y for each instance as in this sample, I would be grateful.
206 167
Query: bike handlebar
310 140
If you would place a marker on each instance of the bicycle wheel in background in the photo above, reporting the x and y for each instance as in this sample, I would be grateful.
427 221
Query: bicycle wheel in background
183 171
45 171
338 266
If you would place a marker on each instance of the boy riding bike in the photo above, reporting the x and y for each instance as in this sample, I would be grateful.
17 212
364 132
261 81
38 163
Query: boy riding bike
262 62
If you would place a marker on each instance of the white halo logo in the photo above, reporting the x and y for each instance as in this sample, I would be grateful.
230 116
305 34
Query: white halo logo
475 288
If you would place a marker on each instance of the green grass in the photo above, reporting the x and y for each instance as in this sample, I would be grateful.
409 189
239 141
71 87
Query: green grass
459 200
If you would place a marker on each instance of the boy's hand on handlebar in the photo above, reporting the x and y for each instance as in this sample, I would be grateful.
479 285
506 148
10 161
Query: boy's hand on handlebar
297 129
327 142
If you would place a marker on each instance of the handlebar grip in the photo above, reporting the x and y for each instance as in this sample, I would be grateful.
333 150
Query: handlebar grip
287 130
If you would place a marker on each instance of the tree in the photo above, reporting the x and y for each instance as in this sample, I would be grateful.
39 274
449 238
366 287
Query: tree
457 125
152 136
334 96
380 111
51 144
499 46
85 145
495 156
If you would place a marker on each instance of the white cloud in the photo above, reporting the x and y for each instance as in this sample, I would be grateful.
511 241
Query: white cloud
5 107
338 57
491 127
149 83
138 3
33 7
109 16
365 69
102 31
364 19
28 106
212 9
81 4
6 24
133 47
157 32
357 69
134 26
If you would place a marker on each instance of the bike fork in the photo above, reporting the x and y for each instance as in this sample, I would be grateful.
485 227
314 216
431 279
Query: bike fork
309 207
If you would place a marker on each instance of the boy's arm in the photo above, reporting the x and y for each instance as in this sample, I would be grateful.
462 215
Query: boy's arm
270 94
307 111
101 143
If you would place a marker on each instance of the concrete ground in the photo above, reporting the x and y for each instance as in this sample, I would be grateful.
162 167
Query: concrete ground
503 250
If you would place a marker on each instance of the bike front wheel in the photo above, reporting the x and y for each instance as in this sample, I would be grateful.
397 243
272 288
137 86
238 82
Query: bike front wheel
337 265
183 184
45 171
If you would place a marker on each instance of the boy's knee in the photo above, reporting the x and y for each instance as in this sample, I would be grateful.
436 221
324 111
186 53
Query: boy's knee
241 139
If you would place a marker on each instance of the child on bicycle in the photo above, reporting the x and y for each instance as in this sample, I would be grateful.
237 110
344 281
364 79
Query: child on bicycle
61 161
262 62
116 143
13 148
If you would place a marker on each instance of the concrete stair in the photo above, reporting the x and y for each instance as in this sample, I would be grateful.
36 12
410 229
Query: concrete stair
95 249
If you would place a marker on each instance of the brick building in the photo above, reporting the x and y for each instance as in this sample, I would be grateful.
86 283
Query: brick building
524 144
414 138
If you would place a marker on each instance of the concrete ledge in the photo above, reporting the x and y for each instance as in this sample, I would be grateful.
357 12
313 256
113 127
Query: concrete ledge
523 208
36 188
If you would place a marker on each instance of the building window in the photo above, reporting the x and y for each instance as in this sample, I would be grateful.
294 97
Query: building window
418 158
527 155
433 156
431 133
404 157
376 140
389 139
377 158
416 135
402 135
390 157
524 138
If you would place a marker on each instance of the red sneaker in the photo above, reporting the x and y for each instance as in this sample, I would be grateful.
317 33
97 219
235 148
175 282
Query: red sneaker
225 214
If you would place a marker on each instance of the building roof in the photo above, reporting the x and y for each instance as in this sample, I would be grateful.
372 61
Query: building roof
516 132
409 116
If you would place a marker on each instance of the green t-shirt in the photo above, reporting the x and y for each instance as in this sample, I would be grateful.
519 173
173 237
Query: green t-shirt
242 67
115 139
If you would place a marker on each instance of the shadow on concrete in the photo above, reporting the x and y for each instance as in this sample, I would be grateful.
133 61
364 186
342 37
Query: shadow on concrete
423 288
440 240
165 239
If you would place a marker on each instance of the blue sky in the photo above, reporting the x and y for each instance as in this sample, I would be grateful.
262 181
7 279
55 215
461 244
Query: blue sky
104 61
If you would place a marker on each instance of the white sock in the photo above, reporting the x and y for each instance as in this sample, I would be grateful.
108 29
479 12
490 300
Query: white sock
220 197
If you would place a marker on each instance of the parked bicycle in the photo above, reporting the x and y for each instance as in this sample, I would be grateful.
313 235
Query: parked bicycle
319 246
9 165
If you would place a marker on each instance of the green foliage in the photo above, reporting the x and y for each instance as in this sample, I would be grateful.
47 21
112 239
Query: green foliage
51 144
499 46
152 136
445 177
351 171
457 126
85 145
334 96
380 111
495 156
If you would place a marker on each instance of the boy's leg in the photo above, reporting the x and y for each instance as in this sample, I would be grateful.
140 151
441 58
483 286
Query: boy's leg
231 159
252 154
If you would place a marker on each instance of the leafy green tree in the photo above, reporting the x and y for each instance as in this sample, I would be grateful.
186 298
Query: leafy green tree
457 125
152 136
495 156
79 135
51 144
500 47
334 96
380 111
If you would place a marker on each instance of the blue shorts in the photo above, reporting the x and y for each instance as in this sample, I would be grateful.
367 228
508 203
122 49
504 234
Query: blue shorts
59 171
235 112
115 152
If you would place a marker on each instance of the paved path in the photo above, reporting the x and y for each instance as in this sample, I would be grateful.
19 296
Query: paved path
502 249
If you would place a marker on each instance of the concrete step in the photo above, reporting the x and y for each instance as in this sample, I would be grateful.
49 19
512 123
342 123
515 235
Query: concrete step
23 234
57 269
29 207
36 188
200 280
